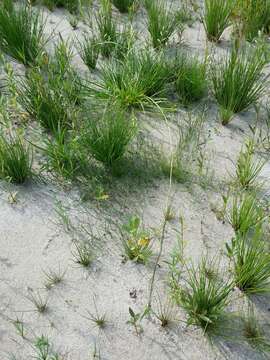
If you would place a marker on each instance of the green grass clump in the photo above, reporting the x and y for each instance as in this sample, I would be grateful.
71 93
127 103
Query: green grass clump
245 214
216 17
139 80
185 160
107 28
191 82
253 332
50 93
247 168
251 260
21 32
15 159
89 51
108 136
123 5
162 23
204 297
237 81
255 17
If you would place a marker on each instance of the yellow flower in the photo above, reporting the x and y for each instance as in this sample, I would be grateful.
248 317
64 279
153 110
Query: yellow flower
144 241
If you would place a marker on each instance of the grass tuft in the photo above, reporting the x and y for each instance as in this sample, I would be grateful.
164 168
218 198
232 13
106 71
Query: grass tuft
21 32
251 260
108 137
15 159
204 297
216 17
237 81
162 22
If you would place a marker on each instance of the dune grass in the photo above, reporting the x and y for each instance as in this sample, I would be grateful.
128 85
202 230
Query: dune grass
237 81
247 167
108 135
89 49
204 297
191 82
162 22
21 32
245 213
251 262
216 17
123 5
15 159
255 17
51 93
139 81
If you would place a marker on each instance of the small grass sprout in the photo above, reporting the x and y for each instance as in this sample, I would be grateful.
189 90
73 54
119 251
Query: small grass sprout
53 277
216 17
40 303
15 159
237 81
83 254
98 319
162 22
204 298
247 168
251 262
137 242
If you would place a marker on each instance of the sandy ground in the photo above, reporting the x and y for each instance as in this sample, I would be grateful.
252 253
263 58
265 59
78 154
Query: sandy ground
33 240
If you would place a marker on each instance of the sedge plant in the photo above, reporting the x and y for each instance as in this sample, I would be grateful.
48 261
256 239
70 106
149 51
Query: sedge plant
237 81
107 136
191 82
15 159
203 297
245 214
162 22
137 81
216 17
123 5
21 32
251 262
247 168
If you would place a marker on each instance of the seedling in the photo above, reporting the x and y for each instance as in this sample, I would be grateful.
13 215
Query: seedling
247 168
98 319
40 303
83 254
134 321
20 328
137 242
53 277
